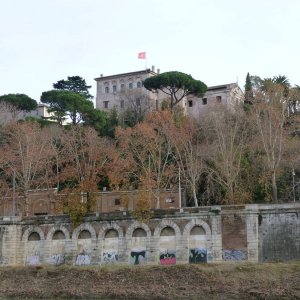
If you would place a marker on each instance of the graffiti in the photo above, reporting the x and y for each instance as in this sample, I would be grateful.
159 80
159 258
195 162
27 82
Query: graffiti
83 260
233 255
167 257
110 256
198 255
3 261
33 260
137 257
57 259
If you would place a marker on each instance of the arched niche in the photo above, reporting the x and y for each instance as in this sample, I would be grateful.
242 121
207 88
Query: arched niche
34 236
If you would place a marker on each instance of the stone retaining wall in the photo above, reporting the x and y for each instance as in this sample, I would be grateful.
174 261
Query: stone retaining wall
196 235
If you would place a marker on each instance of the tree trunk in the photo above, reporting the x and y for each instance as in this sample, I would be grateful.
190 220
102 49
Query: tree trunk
274 187
195 197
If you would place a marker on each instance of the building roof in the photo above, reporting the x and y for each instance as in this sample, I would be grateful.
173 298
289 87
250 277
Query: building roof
222 86
147 71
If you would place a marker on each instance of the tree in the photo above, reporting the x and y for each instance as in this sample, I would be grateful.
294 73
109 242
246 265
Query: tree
191 151
228 134
136 105
175 84
248 90
74 84
270 115
67 104
13 104
149 148
26 153
85 156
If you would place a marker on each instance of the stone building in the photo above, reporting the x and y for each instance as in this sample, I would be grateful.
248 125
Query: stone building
220 96
9 114
125 91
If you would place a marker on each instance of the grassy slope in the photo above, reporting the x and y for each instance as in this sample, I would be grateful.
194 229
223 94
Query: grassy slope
205 281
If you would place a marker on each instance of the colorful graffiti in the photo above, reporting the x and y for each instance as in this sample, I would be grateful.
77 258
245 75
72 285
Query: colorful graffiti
83 260
198 255
57 259
233 255
167 257
137 257
33 260
110 256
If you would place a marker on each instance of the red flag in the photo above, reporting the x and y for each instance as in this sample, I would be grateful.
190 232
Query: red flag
142 55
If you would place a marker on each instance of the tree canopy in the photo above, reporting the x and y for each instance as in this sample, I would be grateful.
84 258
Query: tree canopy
175 84
74 84
20 101
67 104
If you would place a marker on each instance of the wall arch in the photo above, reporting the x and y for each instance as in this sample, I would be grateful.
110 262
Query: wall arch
58 228
109 226
135 226
196 222
84 226
30 230
166 223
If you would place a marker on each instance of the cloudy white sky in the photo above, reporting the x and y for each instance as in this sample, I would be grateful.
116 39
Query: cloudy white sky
216 41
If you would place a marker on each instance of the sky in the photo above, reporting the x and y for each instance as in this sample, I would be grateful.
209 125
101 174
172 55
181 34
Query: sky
215 41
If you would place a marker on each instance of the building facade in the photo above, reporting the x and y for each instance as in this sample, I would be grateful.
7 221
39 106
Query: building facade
126 91
216 97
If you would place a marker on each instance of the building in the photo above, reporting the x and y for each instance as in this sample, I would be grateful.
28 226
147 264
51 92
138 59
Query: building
9 113
220 96
125 91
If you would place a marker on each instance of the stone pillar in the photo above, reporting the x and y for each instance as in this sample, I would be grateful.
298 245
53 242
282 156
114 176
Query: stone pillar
252 232
216 239
12 248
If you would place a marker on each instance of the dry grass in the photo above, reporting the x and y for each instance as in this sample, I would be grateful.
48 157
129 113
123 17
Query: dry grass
205 281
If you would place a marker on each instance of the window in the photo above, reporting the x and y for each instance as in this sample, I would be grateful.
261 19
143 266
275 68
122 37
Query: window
138 102
219 98
190 103
138 85
131 85
122 86
204 101
105 104
106 90
122 103
114 88
117 201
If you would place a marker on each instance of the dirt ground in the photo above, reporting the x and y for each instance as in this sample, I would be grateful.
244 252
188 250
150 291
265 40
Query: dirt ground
202 281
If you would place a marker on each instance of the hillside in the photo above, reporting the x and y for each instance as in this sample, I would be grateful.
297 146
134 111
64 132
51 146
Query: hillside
205 281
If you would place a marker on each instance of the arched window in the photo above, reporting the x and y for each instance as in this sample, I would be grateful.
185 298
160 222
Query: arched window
106 90
138 84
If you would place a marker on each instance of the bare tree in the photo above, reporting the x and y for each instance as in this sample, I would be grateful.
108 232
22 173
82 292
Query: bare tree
228 142
26 152
148 146
9 113
270 111
191 151
134 104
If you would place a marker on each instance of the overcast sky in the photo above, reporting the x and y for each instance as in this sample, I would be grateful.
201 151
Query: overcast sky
216 41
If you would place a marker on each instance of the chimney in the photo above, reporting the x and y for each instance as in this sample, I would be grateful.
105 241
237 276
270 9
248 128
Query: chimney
153 69
158 71
101 75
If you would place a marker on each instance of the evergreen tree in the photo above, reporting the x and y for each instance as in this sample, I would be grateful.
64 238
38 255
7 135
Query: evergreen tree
248 90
